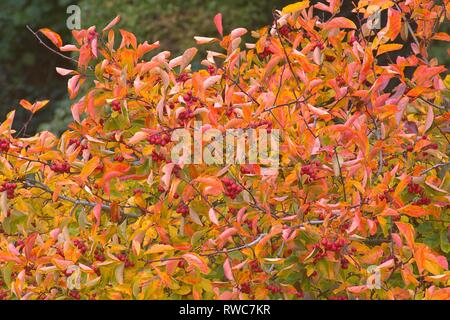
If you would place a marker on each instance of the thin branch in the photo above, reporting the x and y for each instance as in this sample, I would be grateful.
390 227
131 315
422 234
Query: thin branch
225 251
435 167
340 173
40 185
50 48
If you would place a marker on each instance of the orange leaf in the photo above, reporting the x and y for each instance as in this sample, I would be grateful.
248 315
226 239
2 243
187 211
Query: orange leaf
413 211
35 107
388 47
194 260
407 231
441 36
339 22
394 23
52 36
115 21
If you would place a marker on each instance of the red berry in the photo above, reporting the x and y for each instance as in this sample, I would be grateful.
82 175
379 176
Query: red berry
183 209
284 30
245 288
4 145
183 77
115 106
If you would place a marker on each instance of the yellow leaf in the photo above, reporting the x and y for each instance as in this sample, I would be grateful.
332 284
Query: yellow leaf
159 248
295 7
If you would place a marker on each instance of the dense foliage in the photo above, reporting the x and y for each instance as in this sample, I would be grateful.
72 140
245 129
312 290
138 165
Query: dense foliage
101 212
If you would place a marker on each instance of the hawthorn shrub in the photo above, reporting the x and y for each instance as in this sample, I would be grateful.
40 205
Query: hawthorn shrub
358 208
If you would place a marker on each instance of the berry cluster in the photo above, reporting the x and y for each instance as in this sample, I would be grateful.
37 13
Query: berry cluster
319 45
157 157
211 70
160 139
423 201
273 288
4 145
80 245
99 255
9 187
414 188
267 51
183 209
189 99
340 81
245 288
62 167
311 171
119 158
115 106
262 123
327 245
284 30
3 294
74 294
255 267
183 77
247 170
74 141
124 258
386 195
232 189
185 115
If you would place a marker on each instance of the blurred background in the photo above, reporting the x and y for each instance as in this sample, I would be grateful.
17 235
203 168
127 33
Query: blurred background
27 69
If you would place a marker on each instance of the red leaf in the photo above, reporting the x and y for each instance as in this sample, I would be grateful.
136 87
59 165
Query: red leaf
227 270
218 23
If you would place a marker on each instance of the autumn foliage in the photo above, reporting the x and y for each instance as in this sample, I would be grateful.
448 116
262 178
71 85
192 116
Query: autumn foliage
102 212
